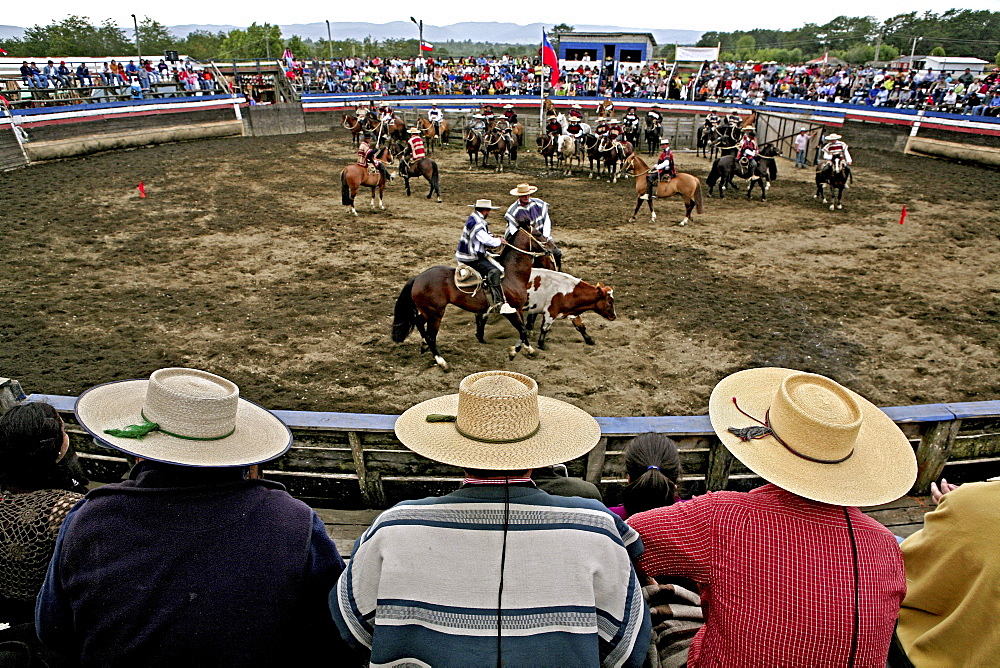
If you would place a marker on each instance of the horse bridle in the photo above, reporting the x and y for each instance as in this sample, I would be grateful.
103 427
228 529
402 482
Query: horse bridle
528 252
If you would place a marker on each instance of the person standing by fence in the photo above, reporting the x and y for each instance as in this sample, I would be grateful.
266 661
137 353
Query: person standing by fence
801 142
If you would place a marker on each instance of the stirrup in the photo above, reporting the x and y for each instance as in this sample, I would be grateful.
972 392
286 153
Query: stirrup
507 309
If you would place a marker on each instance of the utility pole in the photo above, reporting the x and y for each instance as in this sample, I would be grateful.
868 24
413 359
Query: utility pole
329 40
913 51
138 49
420 39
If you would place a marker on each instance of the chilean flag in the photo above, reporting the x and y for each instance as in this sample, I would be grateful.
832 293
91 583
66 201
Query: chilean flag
426 46
549 58
3 52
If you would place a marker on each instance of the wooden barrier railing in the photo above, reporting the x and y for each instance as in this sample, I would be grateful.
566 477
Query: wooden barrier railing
351 460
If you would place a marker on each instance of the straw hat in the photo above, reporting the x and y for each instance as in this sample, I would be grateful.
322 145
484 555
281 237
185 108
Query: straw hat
577 106
664 141
523 189
182 416
508 106
832 137
835 446
414 131
482 204
499 423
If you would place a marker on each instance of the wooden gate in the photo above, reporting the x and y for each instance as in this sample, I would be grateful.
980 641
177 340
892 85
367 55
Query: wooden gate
781 129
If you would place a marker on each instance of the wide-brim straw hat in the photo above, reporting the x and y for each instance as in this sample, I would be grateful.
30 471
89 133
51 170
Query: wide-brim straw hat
835 446
523 189
832 137
482 204
190 417
664 141
414 131
508 106
498 422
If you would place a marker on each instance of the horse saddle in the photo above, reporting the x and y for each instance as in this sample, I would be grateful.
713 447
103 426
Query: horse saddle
372 169
467 278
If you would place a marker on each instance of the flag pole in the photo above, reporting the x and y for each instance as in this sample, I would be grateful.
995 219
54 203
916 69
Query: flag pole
541 86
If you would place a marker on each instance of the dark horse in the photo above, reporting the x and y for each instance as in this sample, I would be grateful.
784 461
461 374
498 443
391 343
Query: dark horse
836 176
473 143
652 136
547 147
423 300
354 176
726 167
424 167
495 143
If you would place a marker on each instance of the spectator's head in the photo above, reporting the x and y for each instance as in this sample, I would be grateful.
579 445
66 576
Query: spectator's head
653 466
32 441
182 416
497 422
813 437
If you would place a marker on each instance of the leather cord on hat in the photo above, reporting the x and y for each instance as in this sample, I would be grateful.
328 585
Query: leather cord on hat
753 432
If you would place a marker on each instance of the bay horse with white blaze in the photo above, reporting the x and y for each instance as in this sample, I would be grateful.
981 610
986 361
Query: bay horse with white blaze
355 176
423 300
836 176
683 184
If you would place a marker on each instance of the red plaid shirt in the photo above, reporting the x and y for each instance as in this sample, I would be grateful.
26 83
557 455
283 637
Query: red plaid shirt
777 578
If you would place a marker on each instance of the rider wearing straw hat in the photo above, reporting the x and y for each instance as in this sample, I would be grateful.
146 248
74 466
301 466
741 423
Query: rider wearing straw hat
497 572
792 573
605 107
188 561
510 114
576 111
415 144
664 165
835 148
472 246
435 116
537 211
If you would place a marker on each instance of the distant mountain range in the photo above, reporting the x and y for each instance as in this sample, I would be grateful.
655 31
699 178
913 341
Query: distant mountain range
502 33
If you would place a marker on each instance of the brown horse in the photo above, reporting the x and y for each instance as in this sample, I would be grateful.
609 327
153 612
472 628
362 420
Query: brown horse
430 134
423 300
613 152
353 177
495 144
473 144
396 129
685 185
547 146
424 167
354 125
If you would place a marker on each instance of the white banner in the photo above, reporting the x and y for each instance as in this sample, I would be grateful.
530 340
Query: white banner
697 54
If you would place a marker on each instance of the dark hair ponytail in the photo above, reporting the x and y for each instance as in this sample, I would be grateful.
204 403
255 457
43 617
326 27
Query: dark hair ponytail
653 466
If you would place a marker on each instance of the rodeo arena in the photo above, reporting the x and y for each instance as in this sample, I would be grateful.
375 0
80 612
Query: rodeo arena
240 424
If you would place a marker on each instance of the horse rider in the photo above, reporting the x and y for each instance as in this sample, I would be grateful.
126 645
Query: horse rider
510 114
487 111
653 117
553 128
664 166
733 118
576 111
630 121
414 150
537 211
478 125
748 149
712 120
472 247
835 149
386 115
615 130
366 156
576 130
605 107
435 116
547 105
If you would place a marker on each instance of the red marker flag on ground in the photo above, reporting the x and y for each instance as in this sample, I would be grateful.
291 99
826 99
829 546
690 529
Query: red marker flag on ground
549 58
902 215
142 190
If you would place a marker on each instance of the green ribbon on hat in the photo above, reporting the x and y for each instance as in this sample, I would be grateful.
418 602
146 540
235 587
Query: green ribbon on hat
440 417
137 431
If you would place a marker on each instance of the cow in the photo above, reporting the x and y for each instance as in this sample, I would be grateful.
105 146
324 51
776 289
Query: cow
555 295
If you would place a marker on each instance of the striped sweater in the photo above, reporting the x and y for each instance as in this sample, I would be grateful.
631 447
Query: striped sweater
422 584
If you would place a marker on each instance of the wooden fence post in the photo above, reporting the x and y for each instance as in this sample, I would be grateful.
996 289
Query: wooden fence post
10 393
932 454
720 461
372 492
595 461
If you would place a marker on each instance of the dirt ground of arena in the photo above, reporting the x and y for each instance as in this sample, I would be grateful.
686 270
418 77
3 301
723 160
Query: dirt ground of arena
243 261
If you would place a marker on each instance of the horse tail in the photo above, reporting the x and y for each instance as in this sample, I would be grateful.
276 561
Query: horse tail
405 313
713 175
434 176
698 201
345 189
772 169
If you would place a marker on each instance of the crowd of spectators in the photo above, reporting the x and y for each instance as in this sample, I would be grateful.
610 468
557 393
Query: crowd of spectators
747 82
141 77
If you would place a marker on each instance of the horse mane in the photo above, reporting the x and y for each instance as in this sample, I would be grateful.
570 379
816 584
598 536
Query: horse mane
638 164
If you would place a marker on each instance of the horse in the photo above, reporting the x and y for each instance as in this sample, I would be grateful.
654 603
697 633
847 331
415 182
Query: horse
503 126
423 300
567 150
631 128
424 167
354 125
707 134
495 144
518 131
396 129
683 184
430 134
588 147
547 148
726 141
612 152
473 144
355 176
652 136
836 176
727 166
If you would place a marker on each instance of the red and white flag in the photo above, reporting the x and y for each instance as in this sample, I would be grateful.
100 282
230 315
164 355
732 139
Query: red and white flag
2 51
426 46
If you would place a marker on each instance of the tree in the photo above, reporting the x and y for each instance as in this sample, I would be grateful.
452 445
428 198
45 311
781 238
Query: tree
300 49
561 28
938 51
74 36
745 47
154 37
202 45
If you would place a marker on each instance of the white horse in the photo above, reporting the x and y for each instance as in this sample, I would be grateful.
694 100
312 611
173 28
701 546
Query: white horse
568 150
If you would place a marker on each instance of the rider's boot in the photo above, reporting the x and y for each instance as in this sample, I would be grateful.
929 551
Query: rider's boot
651 181
385 171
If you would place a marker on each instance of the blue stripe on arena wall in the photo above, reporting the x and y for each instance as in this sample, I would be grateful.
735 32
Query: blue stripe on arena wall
124 103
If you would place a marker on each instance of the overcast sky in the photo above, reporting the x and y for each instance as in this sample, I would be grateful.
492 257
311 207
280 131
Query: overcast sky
723 15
